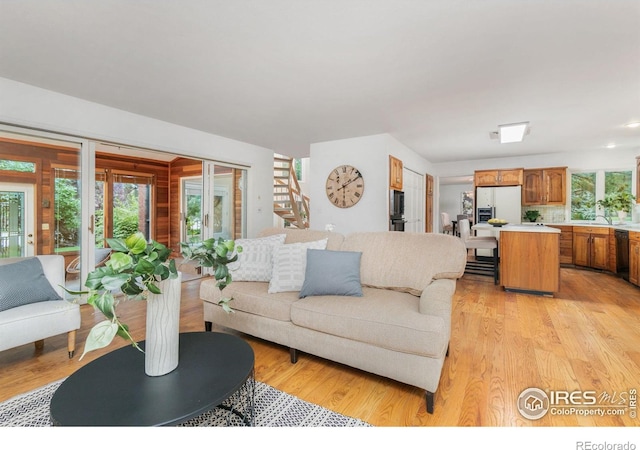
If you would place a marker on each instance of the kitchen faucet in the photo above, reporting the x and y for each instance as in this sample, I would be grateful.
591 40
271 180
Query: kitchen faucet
605 218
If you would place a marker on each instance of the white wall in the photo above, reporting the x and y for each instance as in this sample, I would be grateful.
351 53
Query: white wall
450 200
370 155
27 106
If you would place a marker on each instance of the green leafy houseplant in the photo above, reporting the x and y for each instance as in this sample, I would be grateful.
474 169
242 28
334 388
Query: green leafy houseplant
532 215
214 253
135 269
619 200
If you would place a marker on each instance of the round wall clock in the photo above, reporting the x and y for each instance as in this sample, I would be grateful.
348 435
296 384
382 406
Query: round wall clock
345 186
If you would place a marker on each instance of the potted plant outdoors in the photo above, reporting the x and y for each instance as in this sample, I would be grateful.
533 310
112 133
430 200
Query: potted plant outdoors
619 201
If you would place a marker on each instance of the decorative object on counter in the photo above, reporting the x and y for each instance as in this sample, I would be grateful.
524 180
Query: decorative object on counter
532 215
618 202
497 222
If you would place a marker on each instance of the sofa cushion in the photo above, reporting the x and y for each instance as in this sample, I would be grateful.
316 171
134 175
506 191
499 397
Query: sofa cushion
384 318
255 261
406 262
23 283
251 297
289 264
334 240
332 272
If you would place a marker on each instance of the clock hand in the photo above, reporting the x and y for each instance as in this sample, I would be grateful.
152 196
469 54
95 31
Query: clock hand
350 181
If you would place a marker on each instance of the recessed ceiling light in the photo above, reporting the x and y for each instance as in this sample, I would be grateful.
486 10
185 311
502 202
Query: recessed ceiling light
611 146
633 125
513 132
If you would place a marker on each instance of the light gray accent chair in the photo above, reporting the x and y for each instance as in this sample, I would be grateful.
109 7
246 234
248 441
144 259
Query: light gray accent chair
37 321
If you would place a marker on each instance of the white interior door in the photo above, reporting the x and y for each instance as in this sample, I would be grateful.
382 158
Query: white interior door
17 217
413 187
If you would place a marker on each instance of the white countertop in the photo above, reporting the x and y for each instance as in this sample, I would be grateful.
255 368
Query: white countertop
527 228
633 226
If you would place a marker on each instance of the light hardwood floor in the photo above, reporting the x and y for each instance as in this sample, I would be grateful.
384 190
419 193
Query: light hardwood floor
585 338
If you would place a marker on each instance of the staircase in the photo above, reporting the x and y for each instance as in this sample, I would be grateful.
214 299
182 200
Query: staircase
288 201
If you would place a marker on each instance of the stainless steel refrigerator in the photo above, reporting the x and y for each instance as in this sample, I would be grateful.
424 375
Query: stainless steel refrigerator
504 203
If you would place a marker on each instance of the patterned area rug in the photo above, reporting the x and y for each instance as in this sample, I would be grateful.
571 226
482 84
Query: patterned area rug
273 408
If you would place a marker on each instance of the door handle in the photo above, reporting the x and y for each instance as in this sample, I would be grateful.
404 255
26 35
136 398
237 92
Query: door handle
91 223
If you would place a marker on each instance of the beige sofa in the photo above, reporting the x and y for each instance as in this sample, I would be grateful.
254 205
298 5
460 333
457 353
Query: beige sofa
33 322
399 328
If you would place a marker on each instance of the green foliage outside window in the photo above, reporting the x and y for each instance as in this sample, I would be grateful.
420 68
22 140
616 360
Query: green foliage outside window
583 196
17 166
125 215
67 213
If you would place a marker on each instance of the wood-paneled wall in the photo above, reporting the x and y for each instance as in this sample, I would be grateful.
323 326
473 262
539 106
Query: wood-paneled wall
160 171
45 157
48 156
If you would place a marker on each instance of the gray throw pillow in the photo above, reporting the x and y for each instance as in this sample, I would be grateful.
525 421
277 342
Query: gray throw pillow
331 272
23 283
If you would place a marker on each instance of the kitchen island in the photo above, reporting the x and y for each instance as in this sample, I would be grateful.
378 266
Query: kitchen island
530 259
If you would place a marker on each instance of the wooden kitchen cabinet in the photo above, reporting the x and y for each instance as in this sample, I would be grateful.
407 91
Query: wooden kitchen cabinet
591 247
566 243
544 186
634 257
395 173
530 261
502 177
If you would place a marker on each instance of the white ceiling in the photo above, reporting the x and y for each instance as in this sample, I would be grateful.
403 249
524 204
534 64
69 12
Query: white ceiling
439 75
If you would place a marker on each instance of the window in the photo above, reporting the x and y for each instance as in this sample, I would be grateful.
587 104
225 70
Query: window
589 187
67 209
17 166
583 196
122 204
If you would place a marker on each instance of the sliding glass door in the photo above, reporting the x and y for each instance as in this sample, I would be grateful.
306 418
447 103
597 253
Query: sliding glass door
224 201
41 197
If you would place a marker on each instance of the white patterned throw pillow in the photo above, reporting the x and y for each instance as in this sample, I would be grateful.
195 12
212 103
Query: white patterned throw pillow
289 264
255 262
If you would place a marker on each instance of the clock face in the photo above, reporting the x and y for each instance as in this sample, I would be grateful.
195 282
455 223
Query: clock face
345 186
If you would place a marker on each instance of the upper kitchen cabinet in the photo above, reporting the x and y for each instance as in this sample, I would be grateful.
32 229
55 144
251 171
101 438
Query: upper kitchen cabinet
395 173
503 177
544 186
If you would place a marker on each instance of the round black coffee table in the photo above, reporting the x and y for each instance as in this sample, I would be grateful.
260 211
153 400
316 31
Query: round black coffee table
215 370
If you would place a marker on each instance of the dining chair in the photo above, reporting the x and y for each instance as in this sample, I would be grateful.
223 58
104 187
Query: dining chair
447 226
479 267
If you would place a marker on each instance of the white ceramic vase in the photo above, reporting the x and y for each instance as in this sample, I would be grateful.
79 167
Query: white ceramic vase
163 328
622 216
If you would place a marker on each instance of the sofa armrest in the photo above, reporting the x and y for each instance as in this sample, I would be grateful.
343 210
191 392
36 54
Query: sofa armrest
436 298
